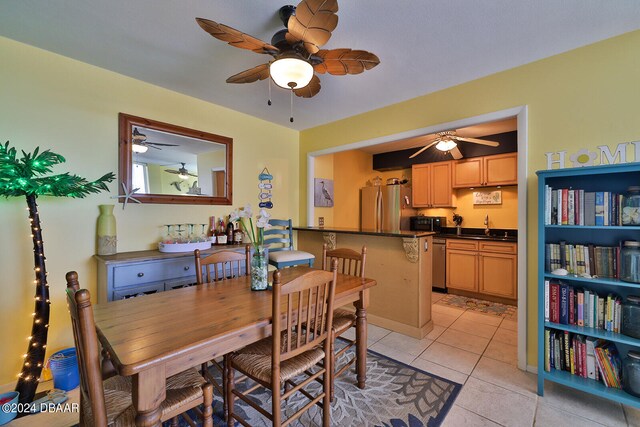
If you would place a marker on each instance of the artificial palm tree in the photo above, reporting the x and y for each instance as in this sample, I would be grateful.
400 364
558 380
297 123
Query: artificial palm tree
24 177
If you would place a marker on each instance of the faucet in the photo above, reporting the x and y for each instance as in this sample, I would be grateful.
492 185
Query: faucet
486 226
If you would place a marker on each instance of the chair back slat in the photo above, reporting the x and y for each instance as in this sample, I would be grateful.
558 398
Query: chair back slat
222 265
87 349
280 236
350 262
309 302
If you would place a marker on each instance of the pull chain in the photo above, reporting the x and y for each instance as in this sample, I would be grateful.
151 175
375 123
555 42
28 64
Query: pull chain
269 101
291 118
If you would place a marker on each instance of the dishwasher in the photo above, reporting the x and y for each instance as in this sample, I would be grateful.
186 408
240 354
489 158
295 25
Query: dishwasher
439 265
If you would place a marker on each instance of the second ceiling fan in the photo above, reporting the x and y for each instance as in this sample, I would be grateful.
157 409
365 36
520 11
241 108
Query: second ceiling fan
447 141
296 49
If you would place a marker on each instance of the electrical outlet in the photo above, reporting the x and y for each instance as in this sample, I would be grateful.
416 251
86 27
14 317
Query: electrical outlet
320 221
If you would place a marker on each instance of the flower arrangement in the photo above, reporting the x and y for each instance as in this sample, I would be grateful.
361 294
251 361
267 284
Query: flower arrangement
259 272
255 234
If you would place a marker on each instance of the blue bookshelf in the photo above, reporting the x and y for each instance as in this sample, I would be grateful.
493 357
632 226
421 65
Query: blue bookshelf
614 178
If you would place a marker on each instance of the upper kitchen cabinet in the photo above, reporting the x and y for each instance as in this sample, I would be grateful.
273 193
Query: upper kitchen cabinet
486 171
431 186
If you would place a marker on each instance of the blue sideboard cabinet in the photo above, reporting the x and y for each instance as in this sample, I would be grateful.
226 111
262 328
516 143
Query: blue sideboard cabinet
609 178
131 274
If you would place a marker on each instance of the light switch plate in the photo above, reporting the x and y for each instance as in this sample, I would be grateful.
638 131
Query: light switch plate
320 221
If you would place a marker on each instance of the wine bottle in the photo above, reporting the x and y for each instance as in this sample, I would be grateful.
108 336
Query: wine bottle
230 232
221 235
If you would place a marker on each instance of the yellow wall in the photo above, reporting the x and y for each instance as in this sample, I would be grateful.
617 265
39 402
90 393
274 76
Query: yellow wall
72 108
500 216
583 98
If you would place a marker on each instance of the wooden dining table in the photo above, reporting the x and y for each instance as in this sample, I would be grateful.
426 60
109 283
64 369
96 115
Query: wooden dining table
155 336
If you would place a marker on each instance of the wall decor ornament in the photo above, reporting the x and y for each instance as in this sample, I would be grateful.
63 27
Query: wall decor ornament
323 192
487 197
24 177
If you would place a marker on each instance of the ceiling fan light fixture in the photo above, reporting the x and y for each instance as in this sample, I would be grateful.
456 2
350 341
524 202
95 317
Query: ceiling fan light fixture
139 148
291 72
446 145
183 176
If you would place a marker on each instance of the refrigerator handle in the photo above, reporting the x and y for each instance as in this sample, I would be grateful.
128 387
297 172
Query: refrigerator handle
379 211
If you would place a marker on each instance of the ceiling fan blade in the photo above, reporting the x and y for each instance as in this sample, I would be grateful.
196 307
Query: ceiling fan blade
164 145
424 148
190 174
456 153
251 75
309 90
345 61
478 141
171 171
236 38
313 23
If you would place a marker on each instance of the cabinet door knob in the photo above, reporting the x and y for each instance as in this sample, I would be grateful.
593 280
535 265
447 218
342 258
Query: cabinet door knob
140 274
186 268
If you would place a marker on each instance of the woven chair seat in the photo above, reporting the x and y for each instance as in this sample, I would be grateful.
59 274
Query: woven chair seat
343 320
255 361
181 388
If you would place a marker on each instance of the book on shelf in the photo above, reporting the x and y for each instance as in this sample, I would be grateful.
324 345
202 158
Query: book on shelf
568 305
601 261
583 356
568 206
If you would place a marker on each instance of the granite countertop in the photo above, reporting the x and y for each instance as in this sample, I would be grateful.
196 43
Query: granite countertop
398 233
495 234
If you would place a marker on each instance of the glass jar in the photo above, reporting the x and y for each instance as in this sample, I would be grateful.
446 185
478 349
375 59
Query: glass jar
631 206
631 317
259 269
631 373
630 259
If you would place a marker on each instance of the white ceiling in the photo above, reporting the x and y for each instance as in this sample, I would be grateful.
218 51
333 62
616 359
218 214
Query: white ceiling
423 45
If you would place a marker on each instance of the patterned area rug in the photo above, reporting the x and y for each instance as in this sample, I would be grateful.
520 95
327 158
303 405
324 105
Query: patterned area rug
396 395
487 307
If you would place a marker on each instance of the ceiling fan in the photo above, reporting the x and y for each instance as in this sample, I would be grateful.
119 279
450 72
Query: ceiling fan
182 172
139 143
296 50
447 141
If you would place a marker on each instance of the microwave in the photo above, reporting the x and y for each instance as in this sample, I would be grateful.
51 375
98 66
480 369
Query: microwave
427 223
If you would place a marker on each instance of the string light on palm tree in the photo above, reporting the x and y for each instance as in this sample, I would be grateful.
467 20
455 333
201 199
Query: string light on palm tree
23 177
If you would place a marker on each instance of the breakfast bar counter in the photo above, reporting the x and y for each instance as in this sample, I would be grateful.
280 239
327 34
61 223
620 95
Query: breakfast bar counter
399 261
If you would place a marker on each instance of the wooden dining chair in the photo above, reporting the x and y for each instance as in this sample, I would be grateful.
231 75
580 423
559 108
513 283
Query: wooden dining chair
222 265
217 267
351 263
109 402
277 362
279 239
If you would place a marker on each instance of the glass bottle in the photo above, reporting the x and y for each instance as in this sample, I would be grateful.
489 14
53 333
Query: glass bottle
229 232
631 206
221 234
238 235
630 259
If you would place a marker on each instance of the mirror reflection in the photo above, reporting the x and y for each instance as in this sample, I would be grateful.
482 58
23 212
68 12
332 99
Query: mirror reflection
171 164
166 163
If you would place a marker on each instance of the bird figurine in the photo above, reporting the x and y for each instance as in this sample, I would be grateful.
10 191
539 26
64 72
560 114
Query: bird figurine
326 195
177 184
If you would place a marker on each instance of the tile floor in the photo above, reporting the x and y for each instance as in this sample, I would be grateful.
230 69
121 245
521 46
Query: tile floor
480 352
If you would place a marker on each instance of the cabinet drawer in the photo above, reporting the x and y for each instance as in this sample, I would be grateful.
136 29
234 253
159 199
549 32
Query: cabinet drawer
499 247
141 273
180 283
138 291
466 245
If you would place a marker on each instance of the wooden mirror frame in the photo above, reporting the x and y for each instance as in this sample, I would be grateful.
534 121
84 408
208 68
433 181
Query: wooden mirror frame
127 122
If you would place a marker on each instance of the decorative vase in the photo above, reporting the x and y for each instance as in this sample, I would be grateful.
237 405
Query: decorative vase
106 231
259 271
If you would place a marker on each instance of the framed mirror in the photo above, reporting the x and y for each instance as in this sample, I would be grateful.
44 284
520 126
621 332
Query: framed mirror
173 164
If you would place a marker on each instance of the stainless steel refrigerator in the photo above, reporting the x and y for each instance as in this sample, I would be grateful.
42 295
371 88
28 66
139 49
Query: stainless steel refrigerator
385 208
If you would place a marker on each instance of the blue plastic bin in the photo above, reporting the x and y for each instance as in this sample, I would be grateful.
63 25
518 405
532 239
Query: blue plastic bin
64 368
5 417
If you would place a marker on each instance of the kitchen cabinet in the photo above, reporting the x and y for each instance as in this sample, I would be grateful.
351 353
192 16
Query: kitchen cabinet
431 187
485 267
486 171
